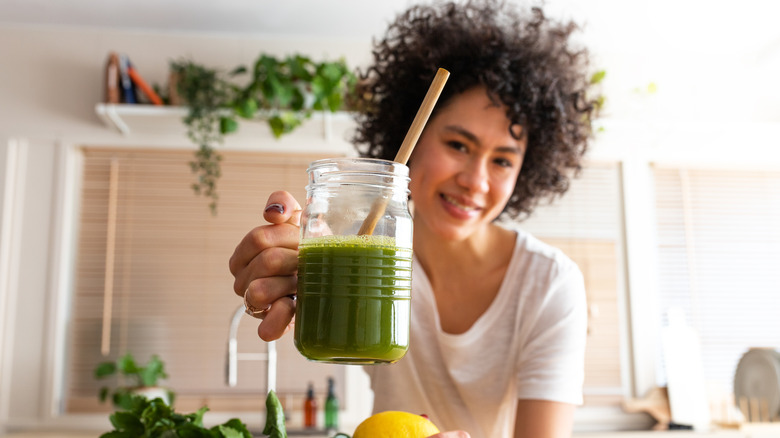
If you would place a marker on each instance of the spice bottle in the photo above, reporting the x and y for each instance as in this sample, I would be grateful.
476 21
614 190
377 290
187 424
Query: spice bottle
310 408
331 408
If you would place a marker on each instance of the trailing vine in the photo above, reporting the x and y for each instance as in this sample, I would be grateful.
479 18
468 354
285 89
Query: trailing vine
284 92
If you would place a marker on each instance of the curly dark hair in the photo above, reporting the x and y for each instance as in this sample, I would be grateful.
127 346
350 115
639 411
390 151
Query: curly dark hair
523 60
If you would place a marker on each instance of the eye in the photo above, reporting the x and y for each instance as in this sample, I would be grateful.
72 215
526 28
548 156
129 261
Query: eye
503 162
457 145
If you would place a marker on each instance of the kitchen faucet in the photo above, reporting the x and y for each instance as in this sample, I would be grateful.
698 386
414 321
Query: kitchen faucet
233 356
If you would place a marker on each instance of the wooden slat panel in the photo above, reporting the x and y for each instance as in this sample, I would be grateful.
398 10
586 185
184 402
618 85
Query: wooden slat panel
173 291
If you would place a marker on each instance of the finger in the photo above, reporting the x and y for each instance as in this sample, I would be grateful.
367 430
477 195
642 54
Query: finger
277 320
282 208
272 262
263 292
259 239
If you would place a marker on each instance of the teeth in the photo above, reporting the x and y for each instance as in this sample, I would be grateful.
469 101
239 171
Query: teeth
458 204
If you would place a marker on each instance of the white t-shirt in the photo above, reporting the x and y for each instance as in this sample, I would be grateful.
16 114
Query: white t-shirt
529 344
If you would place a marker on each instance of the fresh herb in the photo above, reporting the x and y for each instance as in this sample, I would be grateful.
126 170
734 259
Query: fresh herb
137 377
274 417
155 419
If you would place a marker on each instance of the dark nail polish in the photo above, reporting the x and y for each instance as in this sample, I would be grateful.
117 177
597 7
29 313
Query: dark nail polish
279 208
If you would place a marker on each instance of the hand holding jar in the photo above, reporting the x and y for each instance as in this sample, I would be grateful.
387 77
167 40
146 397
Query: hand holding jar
265 264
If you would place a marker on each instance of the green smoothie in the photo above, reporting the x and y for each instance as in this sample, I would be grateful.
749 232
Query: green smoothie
354 296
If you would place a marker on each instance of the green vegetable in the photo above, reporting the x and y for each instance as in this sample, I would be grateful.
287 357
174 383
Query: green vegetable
155 419
137 376
274 417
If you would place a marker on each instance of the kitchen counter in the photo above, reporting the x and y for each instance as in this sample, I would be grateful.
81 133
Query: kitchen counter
77 434
637 434
765 430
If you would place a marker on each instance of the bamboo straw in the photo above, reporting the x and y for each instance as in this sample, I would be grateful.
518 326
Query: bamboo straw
379 206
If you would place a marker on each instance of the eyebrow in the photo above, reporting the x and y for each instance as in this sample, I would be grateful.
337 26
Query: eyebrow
473 138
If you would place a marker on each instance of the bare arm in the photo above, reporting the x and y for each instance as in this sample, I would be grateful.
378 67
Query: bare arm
543 419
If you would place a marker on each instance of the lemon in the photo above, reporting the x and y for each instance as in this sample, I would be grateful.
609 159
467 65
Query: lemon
395 424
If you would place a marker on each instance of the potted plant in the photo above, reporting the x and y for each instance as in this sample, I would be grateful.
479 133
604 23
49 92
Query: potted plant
139 380
282 91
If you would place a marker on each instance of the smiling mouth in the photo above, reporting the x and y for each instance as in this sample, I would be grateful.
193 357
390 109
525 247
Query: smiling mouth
457 204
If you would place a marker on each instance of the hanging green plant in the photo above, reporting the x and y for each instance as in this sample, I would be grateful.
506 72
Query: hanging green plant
283 92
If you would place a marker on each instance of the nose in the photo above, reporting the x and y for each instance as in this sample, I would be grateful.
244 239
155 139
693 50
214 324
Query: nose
474 176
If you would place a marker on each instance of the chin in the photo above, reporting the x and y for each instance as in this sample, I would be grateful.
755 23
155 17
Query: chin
455 234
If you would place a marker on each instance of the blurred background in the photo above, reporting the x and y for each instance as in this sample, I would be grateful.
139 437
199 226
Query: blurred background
676 210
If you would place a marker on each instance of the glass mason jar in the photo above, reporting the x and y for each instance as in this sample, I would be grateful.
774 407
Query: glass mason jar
354 287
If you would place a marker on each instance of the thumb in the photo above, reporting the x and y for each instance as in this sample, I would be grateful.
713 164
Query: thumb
282 208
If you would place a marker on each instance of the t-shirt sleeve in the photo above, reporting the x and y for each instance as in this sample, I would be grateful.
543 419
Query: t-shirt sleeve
551 363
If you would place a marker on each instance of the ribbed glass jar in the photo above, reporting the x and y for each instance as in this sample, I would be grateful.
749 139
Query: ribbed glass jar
354 284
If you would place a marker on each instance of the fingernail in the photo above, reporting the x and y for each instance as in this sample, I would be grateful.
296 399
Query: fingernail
279 208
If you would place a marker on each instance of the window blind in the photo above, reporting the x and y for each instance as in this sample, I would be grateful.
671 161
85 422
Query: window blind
586 225
169 290
718 255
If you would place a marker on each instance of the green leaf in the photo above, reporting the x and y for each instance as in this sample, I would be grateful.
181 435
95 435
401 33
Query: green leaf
334 102
236 424
197 417
598 76
331 71
118 434
238 70
153 371
284 122
298 67
274 417
105 369
170 433
171 396
127 365
127 422
298 99
192 431
277 126
600 102
137 404
155 412
652 88
246 108
229 432
320 87
283 91
227 125
264 65
123 398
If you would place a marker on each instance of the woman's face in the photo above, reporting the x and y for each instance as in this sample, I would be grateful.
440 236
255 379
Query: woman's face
464 167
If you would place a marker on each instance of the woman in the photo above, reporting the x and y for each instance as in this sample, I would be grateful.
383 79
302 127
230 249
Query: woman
499 319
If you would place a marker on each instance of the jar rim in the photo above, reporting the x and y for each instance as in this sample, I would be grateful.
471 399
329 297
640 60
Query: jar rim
344 163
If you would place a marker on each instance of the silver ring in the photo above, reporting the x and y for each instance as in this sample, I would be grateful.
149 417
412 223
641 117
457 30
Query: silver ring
253 311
